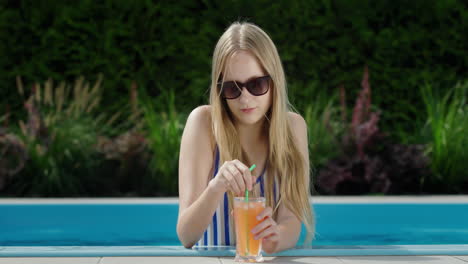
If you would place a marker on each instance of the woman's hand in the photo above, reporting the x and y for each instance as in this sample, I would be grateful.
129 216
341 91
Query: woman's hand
233 176
267 230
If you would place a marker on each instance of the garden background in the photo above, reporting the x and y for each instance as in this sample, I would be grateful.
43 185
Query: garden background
94 95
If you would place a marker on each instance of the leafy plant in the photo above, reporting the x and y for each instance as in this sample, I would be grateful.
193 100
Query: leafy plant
323 124
126 154
59 137
12 156
164 131
147 41
369 163
447 130
126 159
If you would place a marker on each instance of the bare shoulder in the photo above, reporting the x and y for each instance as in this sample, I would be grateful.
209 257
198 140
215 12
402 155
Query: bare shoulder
297 121
201 114
299 130
199 122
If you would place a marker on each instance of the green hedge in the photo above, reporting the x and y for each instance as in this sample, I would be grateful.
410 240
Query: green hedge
167 47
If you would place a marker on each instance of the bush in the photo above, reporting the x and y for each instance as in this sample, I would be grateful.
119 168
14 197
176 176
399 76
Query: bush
368 161
447 135
58 138
166 49
66 146
162 44
324 125
164 132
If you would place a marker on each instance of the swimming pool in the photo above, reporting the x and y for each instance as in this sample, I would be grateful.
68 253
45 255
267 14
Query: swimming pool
91 227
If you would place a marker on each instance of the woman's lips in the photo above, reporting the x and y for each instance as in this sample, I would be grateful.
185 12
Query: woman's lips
247 110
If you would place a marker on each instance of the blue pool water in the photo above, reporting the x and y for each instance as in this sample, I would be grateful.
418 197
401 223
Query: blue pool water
155 224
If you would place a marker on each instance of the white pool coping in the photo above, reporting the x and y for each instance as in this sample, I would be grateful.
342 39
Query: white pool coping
428 199
223 251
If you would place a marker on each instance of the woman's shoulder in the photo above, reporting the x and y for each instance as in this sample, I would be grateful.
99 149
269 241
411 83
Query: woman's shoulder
297 121
201 113
298 128
200 120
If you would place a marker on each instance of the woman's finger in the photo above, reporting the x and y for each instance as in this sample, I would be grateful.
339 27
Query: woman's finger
267 232
266 212
246 174
231 182
262 225
237 176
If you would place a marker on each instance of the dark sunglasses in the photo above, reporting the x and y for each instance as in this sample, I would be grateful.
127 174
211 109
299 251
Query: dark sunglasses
233 89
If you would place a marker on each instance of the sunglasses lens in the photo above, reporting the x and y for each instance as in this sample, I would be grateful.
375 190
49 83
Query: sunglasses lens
259 86
230 90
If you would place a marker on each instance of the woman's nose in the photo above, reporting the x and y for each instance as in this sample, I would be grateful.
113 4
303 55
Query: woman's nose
245 95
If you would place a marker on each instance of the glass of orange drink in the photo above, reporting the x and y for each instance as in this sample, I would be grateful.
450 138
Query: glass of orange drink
245 219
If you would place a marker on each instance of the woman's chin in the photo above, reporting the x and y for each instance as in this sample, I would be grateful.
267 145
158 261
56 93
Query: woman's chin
249 121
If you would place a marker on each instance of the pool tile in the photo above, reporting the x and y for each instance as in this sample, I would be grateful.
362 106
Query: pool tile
153 260
292 260
401 260
56 260
465 258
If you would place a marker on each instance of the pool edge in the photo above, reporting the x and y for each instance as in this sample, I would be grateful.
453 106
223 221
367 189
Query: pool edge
108 251
457 199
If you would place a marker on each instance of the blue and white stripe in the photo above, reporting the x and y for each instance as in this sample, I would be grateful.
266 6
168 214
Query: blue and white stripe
220 231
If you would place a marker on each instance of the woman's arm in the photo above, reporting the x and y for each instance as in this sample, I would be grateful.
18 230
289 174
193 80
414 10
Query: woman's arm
199 199
197 202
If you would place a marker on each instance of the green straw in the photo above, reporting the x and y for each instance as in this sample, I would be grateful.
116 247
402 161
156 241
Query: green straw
247 200
247 190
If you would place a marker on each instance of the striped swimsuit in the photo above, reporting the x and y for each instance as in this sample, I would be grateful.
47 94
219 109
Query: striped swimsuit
220 231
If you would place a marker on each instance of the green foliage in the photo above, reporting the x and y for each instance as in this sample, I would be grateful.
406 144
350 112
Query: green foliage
447 130
164 131
63 167
324 126
166 47
163 44
368 161
72 148
59 138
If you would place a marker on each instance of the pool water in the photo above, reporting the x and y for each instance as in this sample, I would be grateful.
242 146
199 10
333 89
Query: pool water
147 224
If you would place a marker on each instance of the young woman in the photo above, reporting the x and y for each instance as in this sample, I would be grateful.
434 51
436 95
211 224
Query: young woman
248 121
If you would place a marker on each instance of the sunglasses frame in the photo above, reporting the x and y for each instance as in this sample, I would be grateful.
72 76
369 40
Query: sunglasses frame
247 86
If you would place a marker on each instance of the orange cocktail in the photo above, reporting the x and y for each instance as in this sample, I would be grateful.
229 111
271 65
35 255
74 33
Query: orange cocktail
245 219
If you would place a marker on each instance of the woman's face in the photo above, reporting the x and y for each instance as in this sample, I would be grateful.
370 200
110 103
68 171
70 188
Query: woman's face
247 109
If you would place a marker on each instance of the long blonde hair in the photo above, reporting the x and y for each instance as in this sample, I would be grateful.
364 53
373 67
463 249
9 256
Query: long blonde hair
284 157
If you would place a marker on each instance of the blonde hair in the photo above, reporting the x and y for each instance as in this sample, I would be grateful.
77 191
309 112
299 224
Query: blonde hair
284 157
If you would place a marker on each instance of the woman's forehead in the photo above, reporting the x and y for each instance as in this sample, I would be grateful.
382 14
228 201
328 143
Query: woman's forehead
242 66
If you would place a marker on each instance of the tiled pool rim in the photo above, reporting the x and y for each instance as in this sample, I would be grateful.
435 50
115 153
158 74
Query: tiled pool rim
104 251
